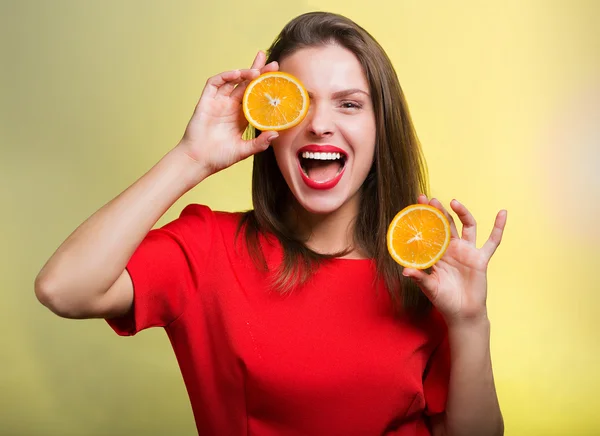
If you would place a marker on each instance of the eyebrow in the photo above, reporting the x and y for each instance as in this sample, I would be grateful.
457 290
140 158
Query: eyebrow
344 93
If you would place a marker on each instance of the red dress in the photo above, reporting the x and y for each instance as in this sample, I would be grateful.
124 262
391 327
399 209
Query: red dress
327 359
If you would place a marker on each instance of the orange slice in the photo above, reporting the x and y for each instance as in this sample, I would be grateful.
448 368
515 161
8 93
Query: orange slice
418 236
275 101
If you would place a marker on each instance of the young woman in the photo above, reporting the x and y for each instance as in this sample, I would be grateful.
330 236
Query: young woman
292 319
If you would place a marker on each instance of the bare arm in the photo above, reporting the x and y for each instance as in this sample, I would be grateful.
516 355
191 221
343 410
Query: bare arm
472 407
86 276
457 287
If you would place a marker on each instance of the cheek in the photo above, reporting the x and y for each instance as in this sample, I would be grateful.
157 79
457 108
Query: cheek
282 147
363 135
285 139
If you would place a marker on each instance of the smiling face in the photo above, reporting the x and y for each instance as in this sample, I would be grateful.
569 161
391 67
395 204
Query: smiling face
326 158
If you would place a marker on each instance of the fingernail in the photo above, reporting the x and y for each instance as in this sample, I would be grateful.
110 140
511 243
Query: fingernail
272 136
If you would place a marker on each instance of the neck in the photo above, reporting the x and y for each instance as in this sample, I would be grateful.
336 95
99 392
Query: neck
328 233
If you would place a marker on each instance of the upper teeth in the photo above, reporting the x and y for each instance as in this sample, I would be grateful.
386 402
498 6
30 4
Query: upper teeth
321 156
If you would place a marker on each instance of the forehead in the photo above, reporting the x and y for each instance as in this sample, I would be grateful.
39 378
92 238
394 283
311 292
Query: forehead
326 69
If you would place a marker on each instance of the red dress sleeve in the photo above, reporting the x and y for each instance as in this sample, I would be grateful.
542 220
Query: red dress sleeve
437 372
165 269
437 376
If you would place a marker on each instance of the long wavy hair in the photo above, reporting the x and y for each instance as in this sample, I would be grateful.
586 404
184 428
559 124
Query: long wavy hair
398 174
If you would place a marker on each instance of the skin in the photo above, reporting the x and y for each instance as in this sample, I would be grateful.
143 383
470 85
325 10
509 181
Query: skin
86 276
457 287
340 114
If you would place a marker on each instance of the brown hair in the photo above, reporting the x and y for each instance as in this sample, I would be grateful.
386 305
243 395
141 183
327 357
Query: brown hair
396 178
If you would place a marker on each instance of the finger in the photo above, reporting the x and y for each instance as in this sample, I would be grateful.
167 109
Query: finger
245 76
258 144
215 82
257 64
426 283
271 66
453 231
422 199
469 230
238 92
259 61
490 246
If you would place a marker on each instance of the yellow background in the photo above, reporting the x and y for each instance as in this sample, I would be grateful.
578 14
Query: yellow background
502 94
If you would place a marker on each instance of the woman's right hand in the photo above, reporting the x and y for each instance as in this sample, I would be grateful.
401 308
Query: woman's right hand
213 137
87 277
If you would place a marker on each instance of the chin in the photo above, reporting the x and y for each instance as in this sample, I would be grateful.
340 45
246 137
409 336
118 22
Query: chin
322 206
325 192
322 202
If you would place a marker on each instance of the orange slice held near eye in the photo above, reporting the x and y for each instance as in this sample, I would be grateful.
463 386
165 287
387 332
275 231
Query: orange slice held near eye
275 101
418 236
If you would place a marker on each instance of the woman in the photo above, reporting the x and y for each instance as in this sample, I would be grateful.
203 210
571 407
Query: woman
292 319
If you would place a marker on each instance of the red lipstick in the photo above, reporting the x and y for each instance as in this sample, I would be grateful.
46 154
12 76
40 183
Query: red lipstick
315 148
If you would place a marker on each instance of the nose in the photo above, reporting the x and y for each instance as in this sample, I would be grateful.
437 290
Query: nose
320 120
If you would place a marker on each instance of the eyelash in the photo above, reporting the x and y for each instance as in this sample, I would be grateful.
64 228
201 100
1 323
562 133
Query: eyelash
353 104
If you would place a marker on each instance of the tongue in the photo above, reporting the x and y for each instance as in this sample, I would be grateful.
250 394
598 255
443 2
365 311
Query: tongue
322 170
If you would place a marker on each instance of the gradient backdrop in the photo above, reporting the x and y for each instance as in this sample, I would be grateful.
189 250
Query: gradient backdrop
505 97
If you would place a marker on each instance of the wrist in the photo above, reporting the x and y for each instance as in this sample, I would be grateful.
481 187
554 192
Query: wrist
190 171
474 322
469 340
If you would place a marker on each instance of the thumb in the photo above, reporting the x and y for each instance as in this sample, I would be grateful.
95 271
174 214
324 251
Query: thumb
258 144
427 283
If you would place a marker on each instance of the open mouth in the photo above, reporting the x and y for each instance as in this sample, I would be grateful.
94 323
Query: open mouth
322 169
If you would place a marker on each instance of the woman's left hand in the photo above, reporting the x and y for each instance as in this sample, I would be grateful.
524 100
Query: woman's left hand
457 284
